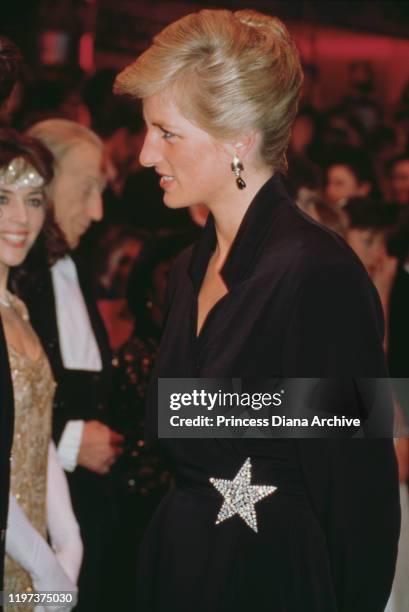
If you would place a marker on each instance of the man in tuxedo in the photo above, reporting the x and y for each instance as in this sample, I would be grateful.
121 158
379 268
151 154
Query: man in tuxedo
10 66
58 294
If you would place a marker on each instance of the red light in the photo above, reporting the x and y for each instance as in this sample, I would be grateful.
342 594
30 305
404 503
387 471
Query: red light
86 52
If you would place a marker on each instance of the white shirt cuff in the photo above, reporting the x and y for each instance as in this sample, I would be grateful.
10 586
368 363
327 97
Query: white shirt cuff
69 445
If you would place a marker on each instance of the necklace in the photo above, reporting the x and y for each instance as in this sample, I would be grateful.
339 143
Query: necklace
6 301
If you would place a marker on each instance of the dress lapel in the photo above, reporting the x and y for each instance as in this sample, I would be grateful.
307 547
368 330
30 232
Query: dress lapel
249 239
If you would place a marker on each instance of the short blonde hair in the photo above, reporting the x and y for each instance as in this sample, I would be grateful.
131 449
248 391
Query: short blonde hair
61 135
230 72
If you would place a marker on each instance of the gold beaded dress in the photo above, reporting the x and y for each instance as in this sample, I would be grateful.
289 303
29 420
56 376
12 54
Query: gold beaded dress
33 387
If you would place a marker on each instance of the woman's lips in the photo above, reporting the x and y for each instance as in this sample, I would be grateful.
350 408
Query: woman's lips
14 240
166 180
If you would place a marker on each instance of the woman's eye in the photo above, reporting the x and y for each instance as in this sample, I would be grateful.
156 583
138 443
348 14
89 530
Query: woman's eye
167 135
3 199
36 202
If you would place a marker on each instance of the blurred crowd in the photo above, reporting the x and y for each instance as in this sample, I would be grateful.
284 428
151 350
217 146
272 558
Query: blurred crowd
348 169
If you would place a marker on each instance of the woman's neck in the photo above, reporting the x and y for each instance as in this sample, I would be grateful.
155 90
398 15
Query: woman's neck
229 213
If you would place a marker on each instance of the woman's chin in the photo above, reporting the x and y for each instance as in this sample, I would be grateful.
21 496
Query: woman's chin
11 260
173 203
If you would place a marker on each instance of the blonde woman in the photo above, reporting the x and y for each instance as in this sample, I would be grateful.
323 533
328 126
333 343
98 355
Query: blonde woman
266 293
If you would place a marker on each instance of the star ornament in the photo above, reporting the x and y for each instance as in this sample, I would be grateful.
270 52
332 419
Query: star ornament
240 497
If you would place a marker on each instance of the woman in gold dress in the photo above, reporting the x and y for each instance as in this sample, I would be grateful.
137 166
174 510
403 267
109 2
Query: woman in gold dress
39 500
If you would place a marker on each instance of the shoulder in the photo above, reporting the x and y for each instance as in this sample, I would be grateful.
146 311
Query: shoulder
322 277
330 284
314 252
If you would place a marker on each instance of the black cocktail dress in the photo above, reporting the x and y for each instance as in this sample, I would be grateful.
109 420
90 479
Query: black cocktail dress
299 304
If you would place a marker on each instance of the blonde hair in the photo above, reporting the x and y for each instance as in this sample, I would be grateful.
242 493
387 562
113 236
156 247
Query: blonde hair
61 135
230 72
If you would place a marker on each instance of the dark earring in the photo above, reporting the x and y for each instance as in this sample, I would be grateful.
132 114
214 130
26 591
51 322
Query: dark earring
237 168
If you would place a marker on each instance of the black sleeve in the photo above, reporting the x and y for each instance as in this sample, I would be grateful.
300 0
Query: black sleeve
336 331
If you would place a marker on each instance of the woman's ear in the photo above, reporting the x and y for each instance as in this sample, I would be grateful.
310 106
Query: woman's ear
243 147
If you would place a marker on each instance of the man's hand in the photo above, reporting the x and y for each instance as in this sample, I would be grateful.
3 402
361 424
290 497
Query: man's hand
100 447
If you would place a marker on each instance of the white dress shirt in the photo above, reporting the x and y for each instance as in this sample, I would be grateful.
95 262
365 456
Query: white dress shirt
79 348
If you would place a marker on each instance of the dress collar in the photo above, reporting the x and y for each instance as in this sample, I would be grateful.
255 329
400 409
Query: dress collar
248 240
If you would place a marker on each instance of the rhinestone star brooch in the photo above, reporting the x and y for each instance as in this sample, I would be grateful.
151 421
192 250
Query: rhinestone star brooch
240 497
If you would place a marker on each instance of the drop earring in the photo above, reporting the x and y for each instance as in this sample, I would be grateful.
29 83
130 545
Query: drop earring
237 168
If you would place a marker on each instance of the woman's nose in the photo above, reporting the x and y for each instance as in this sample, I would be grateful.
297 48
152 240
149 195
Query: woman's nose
19 212
150 154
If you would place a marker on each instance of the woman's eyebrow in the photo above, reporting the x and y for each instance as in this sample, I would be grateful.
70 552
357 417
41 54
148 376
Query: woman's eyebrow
163 125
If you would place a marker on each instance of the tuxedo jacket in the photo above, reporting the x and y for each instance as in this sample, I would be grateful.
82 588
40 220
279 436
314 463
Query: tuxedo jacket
299 304
6 439
80 394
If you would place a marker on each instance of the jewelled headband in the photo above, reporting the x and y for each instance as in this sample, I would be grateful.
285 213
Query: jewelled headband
20 173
